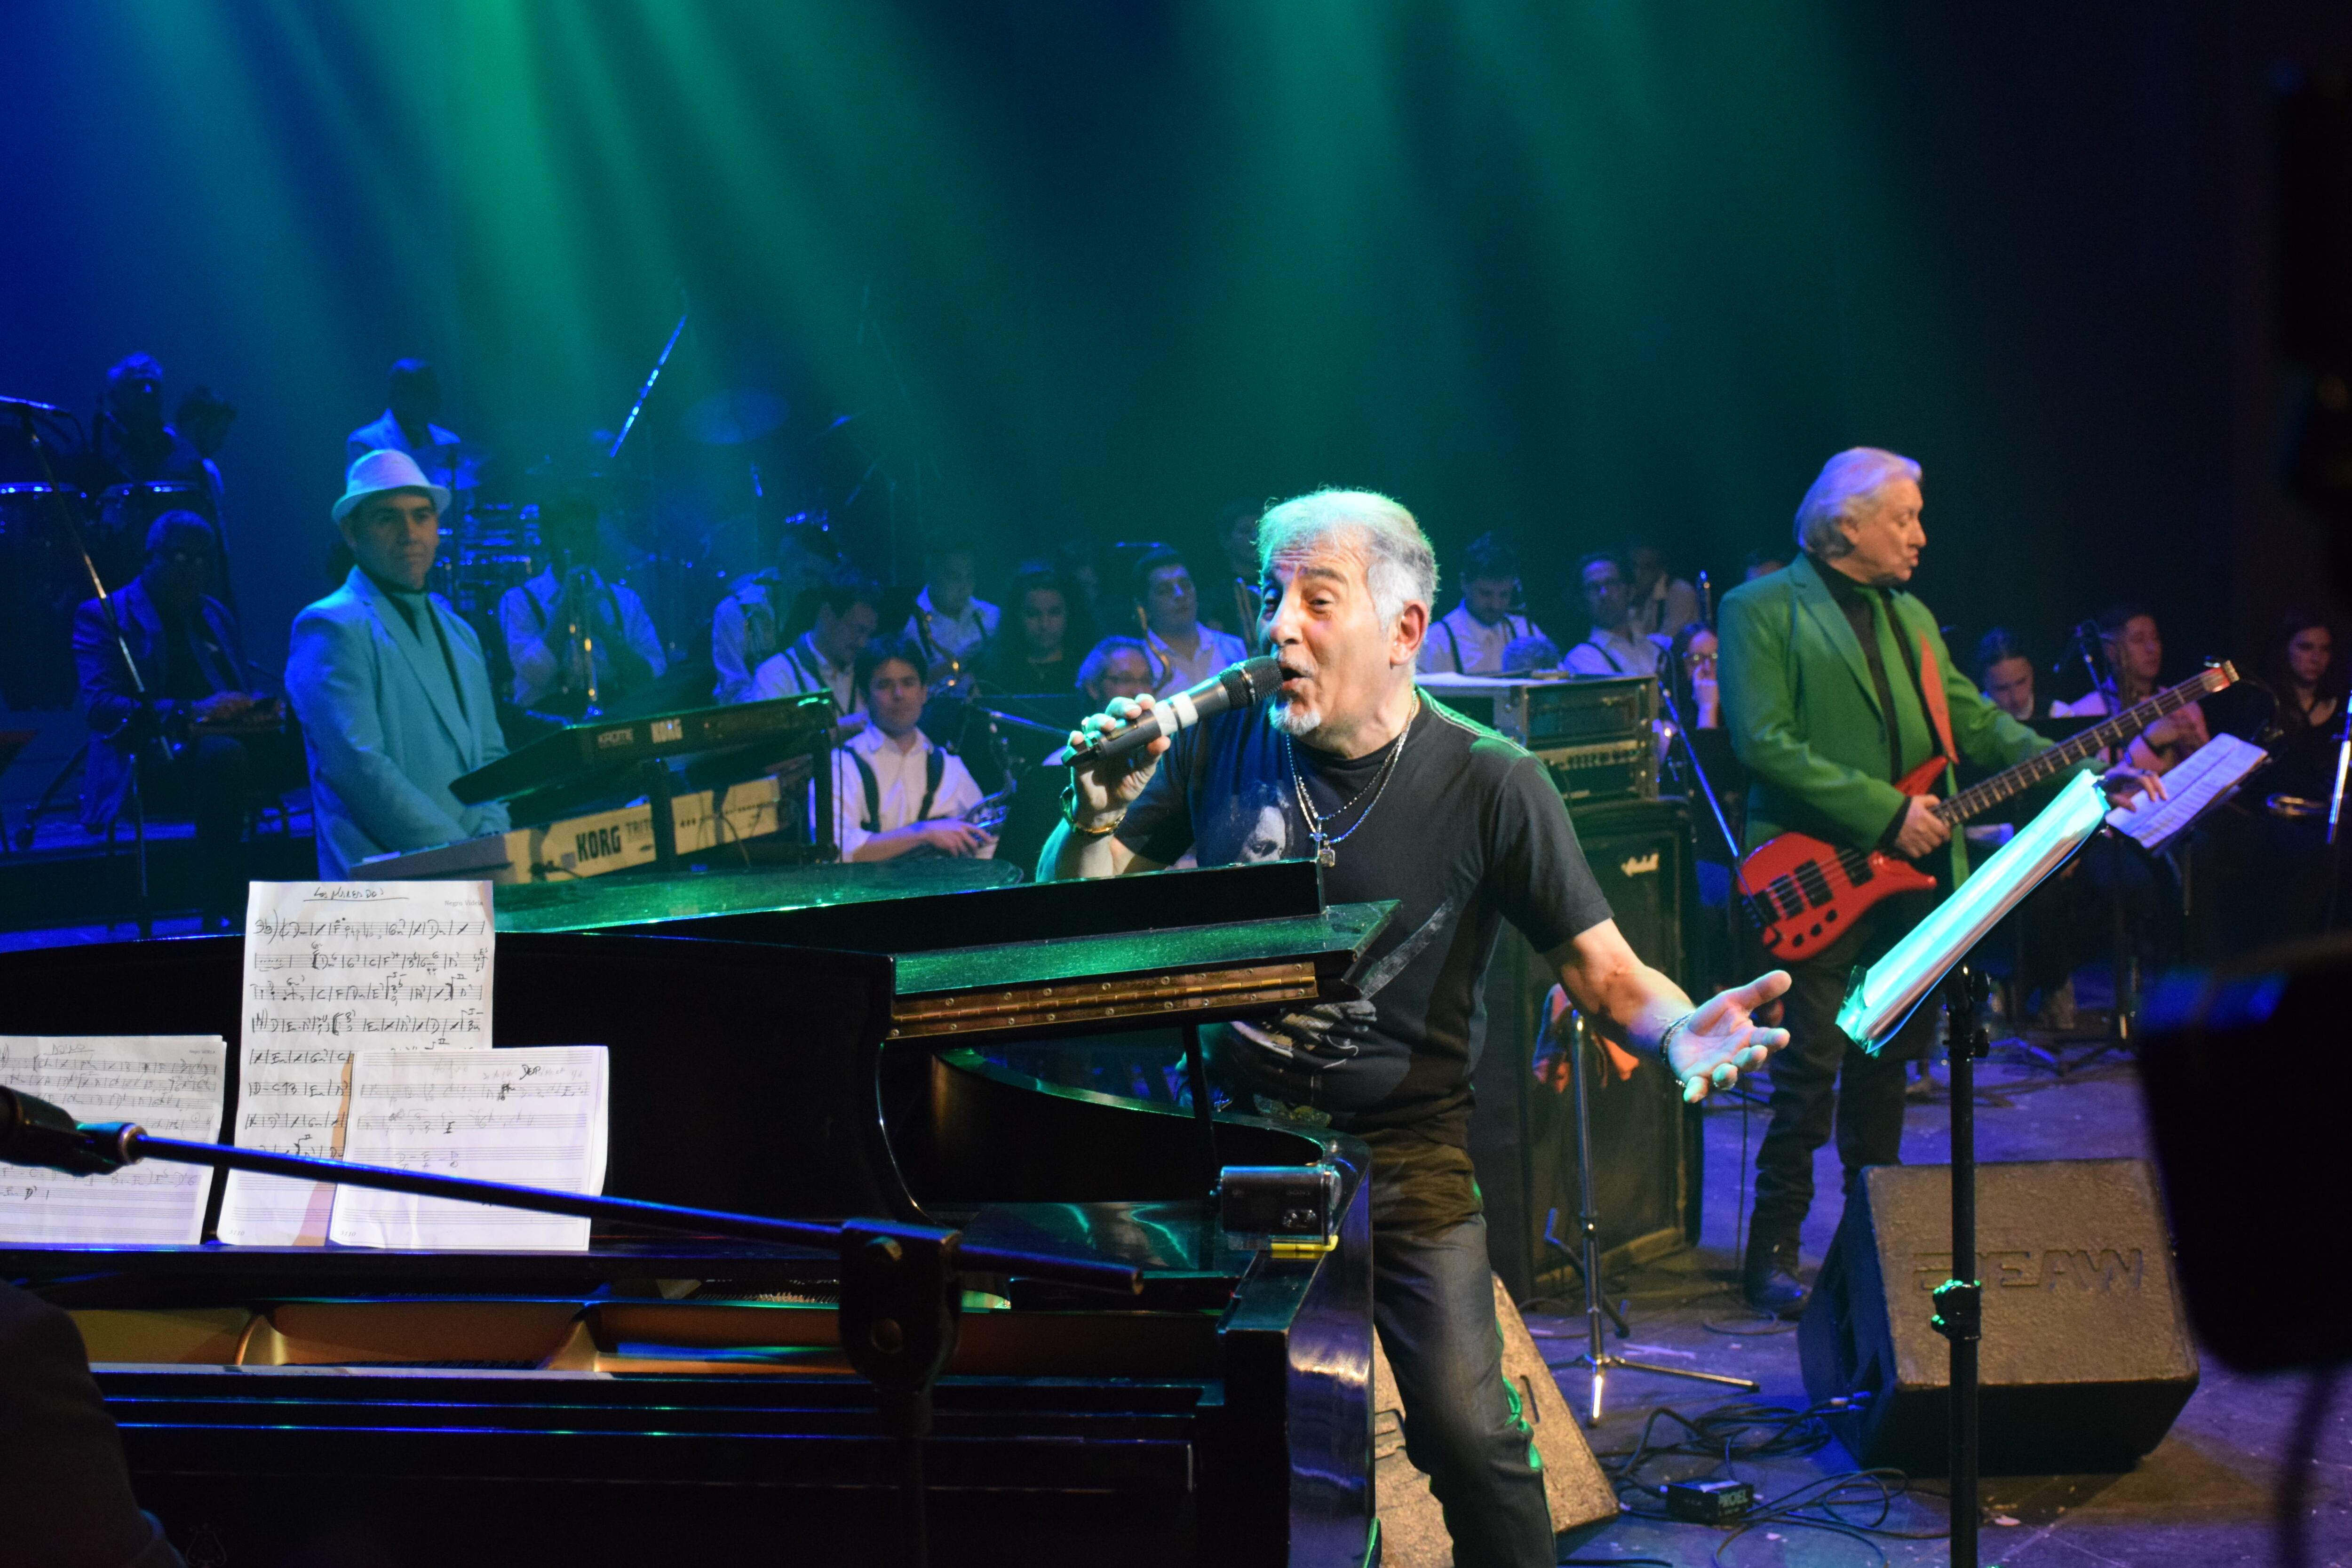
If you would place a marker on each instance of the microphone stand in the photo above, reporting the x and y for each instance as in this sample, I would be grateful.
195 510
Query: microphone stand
142 725
901 1285
2335 812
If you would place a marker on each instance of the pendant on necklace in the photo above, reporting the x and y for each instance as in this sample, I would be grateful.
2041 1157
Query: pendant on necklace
1324 854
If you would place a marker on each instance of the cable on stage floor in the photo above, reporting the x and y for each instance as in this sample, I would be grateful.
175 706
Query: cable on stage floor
1749 1429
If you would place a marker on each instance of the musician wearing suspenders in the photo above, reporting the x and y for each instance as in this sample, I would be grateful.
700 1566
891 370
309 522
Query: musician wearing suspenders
1835 684
1471 638
824 658
896 791
1613 646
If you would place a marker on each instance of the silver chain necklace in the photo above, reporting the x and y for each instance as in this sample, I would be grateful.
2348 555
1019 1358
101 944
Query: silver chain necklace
1327 843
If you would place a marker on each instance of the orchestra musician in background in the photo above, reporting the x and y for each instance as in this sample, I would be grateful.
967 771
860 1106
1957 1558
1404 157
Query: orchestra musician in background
1613 646
1115 667
1183 651
1039 652
948 624
747 626
569 628
1657 601
1473 637
413 402
208 727
389 682
2133 650
2005 671
896 791
825 657
130 443
1347 763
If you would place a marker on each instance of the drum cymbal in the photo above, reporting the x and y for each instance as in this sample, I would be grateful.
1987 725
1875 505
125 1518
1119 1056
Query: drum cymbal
737 415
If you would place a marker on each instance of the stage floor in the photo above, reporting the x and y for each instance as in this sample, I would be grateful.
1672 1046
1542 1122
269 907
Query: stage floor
2202 1498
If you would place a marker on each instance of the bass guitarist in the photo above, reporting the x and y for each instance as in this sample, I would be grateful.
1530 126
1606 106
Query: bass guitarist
1835 684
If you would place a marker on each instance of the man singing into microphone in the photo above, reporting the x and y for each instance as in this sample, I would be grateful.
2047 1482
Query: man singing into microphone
1401 800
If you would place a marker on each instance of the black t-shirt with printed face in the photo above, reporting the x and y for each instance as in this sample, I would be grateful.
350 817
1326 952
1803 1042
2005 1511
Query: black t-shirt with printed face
1467 833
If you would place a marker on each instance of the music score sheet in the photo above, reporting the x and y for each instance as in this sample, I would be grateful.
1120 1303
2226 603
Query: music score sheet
172 1085
332 968
533 1115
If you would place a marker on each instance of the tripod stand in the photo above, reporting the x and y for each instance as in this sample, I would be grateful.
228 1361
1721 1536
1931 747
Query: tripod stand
1596 1359
142 723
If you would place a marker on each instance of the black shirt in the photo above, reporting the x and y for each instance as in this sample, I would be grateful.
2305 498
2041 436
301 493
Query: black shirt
1469 833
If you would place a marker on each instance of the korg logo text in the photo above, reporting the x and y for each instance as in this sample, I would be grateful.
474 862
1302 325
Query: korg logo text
598 843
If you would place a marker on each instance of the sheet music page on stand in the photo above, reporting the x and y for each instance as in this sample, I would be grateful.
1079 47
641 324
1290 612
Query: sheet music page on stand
533 1115
172 1085
332 968
2197 781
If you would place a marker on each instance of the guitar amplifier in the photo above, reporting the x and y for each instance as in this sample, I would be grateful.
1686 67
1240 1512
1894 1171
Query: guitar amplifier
1604 770
1647 1162
1597 734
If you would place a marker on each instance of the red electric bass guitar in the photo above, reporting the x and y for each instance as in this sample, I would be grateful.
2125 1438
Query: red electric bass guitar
1804 893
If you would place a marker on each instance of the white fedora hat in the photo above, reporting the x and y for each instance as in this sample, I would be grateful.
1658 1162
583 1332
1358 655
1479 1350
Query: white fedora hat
376 472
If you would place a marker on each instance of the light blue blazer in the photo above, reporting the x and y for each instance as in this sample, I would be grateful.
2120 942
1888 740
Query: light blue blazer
386 731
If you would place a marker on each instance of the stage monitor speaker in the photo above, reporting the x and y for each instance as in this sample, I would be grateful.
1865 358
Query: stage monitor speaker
1645 1143
2086 1356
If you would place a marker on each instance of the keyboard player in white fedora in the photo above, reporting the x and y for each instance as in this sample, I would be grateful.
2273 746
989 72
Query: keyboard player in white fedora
391 685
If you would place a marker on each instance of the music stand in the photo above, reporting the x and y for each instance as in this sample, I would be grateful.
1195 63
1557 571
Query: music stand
1877 1004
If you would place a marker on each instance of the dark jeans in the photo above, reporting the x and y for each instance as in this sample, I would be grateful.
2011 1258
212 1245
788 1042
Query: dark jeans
1433 1302
1821 1076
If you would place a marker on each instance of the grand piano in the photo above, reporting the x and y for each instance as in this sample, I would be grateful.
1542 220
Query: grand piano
799 1043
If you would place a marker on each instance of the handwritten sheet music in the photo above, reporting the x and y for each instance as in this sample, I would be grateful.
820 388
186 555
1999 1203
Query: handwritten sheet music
332 968
172 1085
534 1115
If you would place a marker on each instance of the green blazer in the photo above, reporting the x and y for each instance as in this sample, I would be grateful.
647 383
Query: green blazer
1803 714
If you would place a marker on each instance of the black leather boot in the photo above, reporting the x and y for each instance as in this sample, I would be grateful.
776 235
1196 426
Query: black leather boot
1768 1278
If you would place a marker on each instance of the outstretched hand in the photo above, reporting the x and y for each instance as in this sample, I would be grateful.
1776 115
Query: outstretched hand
1722 1037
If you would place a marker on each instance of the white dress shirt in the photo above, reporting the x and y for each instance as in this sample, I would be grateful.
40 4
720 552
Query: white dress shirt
525 612
1613 653
801 667
743 634
1212 653
899 777
1462 644
958 636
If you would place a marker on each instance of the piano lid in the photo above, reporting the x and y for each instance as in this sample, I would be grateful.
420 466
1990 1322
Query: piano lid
605 904
1173 947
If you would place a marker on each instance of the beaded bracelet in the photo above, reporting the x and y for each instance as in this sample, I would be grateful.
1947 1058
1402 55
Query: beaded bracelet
1666 1037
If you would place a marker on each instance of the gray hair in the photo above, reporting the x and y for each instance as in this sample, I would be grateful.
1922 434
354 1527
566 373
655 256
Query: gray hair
1399 567
1099 658
1846 482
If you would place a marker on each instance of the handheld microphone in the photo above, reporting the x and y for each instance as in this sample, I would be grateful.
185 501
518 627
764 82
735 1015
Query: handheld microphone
1239 685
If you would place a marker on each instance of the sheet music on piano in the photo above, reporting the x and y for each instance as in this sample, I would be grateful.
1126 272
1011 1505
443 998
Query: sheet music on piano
533 1114
332 968
172 1085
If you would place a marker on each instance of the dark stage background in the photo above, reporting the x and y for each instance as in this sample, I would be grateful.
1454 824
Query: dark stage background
1568 272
